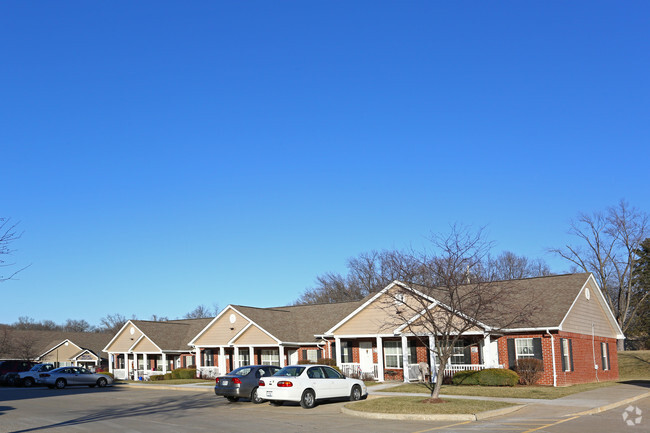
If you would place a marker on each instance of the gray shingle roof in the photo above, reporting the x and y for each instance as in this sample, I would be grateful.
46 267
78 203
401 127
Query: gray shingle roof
172 335
40 342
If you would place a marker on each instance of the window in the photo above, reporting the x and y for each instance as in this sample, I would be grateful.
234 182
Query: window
208 358
524 348
332 374
310 355
393 354
270 357
458 353
346 352
566 349
244 357
604 355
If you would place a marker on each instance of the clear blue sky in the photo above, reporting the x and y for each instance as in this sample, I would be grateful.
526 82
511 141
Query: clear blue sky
161 155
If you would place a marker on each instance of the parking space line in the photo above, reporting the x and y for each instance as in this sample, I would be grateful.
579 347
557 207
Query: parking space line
552 424
441 427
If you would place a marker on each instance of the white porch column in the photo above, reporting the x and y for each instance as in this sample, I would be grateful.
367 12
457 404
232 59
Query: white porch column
111 361
380 359
145 366
432 357
487 352
198 361
164 363
126 365
337 341
235 356
222 360
405 359
251 355
281 354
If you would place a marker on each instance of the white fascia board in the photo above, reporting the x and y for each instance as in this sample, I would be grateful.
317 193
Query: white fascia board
86 351
59 345
191 343
140 339
363 306
542 329
353 336
117 335
603 303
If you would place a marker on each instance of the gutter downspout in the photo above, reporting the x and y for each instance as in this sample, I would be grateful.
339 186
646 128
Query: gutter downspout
553 355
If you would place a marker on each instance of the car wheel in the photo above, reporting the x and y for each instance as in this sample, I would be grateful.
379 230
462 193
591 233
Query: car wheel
255 397
60 383
276 402
232 399
308 399
101 382
355 395
28 381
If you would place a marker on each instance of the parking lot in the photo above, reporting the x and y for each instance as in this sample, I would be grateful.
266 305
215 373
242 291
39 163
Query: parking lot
126 409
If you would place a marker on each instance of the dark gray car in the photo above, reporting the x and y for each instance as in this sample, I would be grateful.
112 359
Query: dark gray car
242 382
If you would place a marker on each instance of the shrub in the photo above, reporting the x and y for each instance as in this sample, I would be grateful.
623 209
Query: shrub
184 373
327 361
529 370
497 377
167 376
487 377
468 377
155 377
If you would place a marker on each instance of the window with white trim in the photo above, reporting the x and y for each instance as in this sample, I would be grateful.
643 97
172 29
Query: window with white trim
244 357
566 354
270 357
393 354
524 348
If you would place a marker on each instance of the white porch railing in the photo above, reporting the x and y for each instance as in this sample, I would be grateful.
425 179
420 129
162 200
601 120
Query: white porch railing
119 373
209 372
455 368
353 369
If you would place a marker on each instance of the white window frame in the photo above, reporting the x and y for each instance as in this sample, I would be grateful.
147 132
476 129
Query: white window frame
270 357
524 348
567 354
244 357
393 349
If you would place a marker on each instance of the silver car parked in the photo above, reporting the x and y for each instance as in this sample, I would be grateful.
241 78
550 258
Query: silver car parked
67 376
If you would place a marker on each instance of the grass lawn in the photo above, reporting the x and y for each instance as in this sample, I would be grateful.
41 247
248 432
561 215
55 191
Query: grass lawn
543 392
169 382
415 405
632 365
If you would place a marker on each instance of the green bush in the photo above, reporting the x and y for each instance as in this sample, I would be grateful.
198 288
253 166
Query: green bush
167 376
184 373
487 377
468 377
155 377
497 377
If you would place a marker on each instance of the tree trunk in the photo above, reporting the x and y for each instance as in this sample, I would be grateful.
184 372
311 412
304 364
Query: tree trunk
620 345
435 392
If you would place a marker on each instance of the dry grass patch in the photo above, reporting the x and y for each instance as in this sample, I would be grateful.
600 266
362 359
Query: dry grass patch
542 392
634 365
419 406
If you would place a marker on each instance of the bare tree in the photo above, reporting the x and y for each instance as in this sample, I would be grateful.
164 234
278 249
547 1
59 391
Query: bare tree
72 325
510 266
450 294
24 347
8 234
156 318
607 244
200 312
6 341
112 322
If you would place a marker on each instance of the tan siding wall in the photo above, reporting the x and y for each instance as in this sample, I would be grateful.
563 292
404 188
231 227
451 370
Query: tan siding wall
376 318
64 353
219 332
145 345
124 340
254 336
584 313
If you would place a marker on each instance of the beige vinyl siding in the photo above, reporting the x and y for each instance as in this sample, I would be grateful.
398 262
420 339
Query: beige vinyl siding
145 345
62 353
440 315
124 340
220 332
585 312
254 336
379 316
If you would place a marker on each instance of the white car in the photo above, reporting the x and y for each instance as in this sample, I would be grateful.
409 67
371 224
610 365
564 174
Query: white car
30 377
308 383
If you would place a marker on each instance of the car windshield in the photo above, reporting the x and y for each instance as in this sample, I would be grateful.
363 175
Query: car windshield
291 371
241 371
36 368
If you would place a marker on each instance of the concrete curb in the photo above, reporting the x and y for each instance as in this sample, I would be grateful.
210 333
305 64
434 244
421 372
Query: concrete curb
611 405
432 417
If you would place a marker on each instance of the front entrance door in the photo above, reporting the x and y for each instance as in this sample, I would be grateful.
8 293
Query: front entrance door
293 356
365 357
